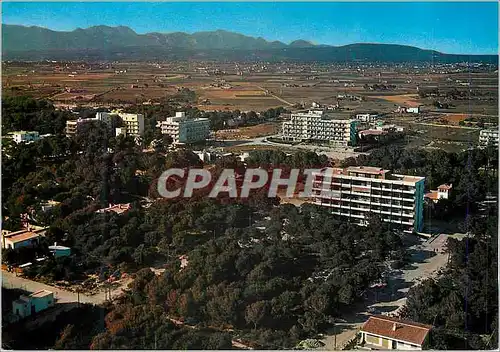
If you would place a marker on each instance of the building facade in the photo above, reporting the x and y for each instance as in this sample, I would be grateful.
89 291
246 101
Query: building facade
25 136
133 123
184 130
488 137
357 192
317 126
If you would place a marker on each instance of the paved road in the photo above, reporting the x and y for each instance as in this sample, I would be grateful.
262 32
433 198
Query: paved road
10 280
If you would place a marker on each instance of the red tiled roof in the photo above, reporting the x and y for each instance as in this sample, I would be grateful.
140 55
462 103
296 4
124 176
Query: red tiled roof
407 331
26 235
432 195
445 187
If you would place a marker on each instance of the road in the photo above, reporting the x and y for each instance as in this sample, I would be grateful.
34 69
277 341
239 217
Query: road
331 152
427 260
275 96
10 280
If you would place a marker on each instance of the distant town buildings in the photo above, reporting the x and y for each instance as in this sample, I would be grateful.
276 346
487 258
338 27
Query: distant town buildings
26 306
357 192
488 137
386 333
25 136
185 130
317 126
409 110
443 192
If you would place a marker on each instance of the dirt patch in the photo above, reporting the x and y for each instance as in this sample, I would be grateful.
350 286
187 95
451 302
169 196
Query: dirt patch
264 129
401 99
454 119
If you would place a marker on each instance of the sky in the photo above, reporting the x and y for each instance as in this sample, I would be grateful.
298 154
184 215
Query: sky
449 27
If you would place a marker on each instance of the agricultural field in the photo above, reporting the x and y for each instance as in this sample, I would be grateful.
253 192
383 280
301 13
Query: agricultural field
231 86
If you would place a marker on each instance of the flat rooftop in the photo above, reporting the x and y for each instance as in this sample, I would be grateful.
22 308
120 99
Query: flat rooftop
41 293
24 236
367 170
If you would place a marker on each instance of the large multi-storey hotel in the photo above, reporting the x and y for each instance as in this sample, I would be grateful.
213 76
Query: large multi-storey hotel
318 126
184 130
357 192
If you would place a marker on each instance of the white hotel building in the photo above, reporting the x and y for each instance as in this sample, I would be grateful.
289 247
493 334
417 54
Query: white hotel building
357 192
317 126
489 136
184 130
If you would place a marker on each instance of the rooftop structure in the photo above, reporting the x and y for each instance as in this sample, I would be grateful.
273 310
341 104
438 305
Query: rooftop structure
358 191
384 332
318 126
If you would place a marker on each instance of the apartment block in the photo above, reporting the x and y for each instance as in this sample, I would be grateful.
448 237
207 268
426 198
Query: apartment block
357 192
184 130
318 126
489 136
133 124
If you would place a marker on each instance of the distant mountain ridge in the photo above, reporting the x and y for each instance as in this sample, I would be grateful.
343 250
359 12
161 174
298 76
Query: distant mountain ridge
122 43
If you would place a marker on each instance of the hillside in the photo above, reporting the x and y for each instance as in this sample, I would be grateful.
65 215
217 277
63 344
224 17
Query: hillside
122 43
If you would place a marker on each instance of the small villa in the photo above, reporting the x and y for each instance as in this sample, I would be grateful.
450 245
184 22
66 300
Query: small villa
443 192
386 333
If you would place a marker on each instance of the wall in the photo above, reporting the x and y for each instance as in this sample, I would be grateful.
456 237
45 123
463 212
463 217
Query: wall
42 303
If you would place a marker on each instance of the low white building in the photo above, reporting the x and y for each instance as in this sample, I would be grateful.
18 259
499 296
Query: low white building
414 110
22 238
25 136
185 130
205 156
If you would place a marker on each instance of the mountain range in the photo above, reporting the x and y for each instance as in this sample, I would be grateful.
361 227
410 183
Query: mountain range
122 43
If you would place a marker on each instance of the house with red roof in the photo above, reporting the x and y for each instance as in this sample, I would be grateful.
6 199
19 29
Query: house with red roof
386 333
443 192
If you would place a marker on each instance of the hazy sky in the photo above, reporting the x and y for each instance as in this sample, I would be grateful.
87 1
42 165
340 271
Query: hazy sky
462 28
